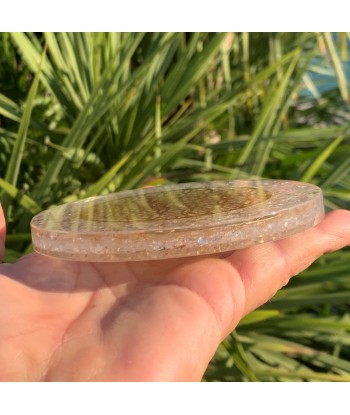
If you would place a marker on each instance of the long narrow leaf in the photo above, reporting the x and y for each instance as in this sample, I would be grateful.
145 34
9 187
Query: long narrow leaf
343 85
23 200
14 164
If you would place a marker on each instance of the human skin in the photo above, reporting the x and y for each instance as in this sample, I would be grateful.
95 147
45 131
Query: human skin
141 321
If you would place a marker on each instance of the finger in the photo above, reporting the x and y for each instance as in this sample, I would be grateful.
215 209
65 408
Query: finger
266 268
2 233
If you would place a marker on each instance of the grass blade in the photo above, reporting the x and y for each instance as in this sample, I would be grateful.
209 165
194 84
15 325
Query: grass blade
17 152
23 200
322 157
271 106
339 70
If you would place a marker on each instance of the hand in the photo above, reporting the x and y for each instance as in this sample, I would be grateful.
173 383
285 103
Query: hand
141 321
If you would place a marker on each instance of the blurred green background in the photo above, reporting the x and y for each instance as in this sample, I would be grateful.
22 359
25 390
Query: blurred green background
83 114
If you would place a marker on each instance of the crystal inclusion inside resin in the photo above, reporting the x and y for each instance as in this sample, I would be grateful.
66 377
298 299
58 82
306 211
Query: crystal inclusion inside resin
171 205
177 221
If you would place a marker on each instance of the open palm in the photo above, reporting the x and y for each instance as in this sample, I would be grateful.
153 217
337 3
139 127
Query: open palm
142 321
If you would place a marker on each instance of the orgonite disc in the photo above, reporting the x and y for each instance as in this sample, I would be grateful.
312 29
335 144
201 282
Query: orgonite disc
177 220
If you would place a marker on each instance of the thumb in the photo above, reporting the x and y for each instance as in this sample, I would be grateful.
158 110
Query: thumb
2 233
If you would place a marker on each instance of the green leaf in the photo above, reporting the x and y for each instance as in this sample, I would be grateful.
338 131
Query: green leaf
14 163
269 111
300 375
237 352
258 316
339 70
23 200
320 160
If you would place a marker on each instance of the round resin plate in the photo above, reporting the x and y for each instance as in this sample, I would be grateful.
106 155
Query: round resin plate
177 220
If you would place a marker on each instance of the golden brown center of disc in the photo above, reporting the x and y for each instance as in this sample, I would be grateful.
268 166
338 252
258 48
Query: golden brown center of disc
173 205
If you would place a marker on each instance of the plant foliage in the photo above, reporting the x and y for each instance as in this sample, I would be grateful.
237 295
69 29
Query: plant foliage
83 114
